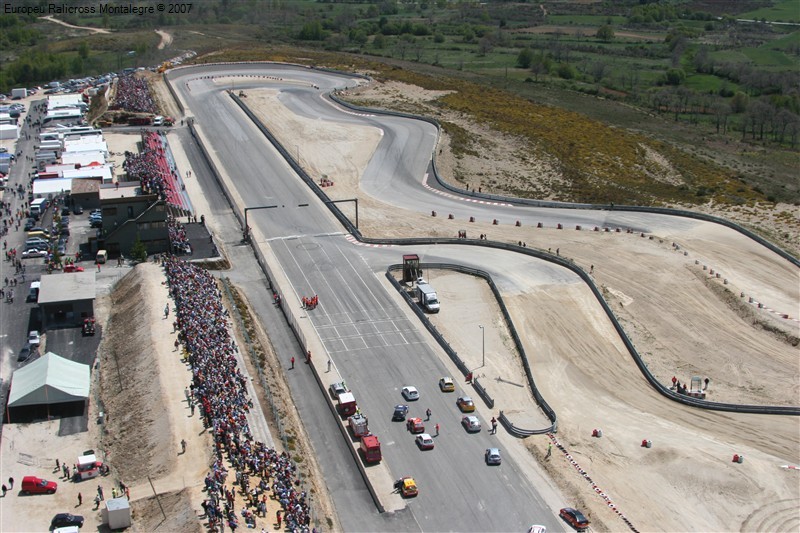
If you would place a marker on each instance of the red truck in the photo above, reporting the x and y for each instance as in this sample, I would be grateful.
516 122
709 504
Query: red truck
347 404
371 449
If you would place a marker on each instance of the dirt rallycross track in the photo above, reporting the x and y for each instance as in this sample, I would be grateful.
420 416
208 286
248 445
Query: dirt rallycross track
738 329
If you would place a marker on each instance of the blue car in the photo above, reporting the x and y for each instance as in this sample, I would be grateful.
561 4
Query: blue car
400 413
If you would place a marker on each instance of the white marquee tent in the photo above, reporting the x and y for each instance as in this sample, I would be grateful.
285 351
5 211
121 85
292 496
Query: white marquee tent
49 380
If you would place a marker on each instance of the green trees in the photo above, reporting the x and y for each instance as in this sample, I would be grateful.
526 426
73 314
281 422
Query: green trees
525 58
605 33
139 251
312 31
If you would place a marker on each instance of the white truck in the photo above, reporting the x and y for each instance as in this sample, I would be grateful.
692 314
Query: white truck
19 93
427 296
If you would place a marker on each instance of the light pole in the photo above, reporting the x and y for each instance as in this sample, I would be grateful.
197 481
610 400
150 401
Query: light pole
483 345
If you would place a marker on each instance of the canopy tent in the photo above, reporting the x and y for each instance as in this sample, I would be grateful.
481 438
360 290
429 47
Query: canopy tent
49 380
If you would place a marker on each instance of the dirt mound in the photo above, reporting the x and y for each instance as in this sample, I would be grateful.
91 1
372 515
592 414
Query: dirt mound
130 388
177 506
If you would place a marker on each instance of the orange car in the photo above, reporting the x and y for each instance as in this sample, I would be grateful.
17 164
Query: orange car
415 425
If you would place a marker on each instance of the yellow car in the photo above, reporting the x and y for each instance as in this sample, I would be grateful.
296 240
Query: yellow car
406 486
446 384
466 404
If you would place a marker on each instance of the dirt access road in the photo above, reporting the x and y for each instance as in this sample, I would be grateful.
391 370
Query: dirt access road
87 28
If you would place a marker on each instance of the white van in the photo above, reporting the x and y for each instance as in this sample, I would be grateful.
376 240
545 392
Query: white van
33 294
158 121
102 257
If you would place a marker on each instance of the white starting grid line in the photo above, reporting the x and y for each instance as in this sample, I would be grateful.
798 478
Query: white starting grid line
352 240
453 196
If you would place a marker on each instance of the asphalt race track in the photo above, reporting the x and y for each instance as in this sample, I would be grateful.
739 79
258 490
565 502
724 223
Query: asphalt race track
368 335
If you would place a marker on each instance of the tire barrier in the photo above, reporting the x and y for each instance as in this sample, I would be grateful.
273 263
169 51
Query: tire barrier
660 388
597 490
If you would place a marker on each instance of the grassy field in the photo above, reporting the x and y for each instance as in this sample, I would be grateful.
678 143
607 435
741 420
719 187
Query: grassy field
780 11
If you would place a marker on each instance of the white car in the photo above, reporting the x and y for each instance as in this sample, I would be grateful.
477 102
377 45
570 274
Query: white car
410 393
424 441
471 423
492 456
27 254
33 338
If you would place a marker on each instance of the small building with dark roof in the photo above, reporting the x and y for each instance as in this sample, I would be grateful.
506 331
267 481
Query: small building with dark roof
66 300
127 215
85 192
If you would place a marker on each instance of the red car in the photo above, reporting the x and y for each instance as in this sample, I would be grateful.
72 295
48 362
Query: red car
72 268
415 425
574 518
35 485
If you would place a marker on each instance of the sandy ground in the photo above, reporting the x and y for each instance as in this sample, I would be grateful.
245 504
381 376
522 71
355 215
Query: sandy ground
684 323
87 28
166 39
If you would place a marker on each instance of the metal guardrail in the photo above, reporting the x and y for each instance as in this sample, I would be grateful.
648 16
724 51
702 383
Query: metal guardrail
543 405
564 205
686 400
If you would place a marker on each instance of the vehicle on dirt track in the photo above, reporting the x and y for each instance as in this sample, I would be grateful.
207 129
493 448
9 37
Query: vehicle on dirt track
574 518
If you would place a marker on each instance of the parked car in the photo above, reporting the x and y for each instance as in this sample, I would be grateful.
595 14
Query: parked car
65 211
64 221
471 423
492 456
36 241
35 485
415 425
337 389
30 224
424 441
466 404
34 339
78 209
400 412
574 518
72 268
446 384
33 252
66 520
25 353
96 223
410 393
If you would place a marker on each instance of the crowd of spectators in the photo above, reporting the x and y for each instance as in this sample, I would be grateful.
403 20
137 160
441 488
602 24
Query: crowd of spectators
133 95
218 388
152 169
177 236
